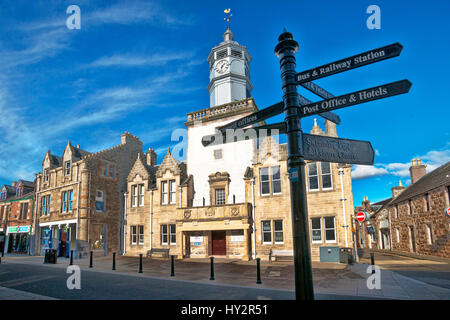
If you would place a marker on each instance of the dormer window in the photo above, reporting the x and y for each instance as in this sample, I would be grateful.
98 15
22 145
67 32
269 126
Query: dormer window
19 191
3 195
67 168
46 175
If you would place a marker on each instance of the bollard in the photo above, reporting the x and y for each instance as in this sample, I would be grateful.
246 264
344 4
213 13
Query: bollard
0 260
114 261
90 260
71 258
258 271
172 266
212 269
140 263
372 261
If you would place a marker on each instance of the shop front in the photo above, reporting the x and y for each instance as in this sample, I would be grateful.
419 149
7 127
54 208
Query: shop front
59 236
18 239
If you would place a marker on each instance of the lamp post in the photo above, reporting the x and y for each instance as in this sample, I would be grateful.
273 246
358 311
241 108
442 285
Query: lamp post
341 174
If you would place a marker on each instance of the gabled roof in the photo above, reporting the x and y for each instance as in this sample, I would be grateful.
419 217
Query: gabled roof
170 163
141 165
435 179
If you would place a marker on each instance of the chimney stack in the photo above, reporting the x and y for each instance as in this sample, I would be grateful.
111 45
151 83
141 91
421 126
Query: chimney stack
151 157
417 170
398 189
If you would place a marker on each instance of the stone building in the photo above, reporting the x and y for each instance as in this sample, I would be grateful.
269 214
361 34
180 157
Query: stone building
231 200
16 207
78 198
412 221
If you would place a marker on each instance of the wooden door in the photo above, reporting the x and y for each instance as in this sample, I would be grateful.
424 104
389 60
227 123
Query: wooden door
219 246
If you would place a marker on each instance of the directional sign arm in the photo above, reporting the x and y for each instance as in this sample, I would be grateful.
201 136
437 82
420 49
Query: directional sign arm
327 115
349 63
254 117
357 97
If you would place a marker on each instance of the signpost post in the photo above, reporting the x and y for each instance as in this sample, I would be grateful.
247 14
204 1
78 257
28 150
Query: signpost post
303 146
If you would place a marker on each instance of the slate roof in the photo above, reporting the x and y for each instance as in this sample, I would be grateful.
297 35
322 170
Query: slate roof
435 179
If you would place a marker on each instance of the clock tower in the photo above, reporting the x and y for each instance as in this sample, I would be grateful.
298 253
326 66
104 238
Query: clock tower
229 72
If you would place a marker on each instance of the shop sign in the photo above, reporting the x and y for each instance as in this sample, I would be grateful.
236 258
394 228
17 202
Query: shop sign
196 241
237 238
18 229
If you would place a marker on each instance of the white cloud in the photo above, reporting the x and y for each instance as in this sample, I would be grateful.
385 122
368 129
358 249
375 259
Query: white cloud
363 172
156 59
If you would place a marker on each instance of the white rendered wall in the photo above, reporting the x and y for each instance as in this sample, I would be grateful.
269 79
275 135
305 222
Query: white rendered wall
236 157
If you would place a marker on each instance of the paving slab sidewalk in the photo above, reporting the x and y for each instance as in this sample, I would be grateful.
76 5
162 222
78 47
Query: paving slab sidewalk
13 294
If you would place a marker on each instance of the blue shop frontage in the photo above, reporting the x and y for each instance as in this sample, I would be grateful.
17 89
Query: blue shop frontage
59 235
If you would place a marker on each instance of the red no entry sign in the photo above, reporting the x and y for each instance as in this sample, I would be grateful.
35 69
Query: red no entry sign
447 211
360 216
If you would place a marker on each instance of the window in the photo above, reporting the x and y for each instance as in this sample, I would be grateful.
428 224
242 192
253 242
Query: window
278 231
397 231
173 234
23 211
113 171
316 230
173 192
3 195
19 191
70 199
134 196
67 168
266 232
313 178
330 231
265 183
48 204
141 235
141 195
164 238
276 180
2 210
218 154
43 206
64 196
133 235
220 196
46 175
325 168
427 203
164 194
429 231
100 201
106 170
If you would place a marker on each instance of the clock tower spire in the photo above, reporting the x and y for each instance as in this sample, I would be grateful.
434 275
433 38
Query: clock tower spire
229 70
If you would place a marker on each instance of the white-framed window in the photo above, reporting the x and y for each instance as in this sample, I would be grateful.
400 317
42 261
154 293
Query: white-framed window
173 192
164 194
265 181
316 230
141 195
397 233
46 175
70 199
64 201
220 196
325 170
100 201
429 231
134 195
278 231
141 235
133 235
313 177
276 179
218 154
67 168
164 236
330 229
173 234
266 232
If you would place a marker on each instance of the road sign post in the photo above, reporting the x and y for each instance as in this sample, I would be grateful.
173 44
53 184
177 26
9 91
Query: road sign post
285 50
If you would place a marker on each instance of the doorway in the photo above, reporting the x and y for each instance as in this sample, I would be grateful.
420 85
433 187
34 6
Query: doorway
219 244
413 239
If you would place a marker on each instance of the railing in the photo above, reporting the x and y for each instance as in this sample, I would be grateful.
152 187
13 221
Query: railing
217 212
222 109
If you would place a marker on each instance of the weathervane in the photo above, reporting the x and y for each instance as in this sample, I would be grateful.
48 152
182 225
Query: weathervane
228 16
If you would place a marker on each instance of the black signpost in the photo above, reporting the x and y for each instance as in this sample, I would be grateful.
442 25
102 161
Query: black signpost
303 146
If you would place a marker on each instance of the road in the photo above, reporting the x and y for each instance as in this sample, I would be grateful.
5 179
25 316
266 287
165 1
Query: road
436 273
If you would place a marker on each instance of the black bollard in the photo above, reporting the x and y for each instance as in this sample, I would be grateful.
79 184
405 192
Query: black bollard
140 263
258 271
71 258
172 266
372 261
114 261
90 260
212 269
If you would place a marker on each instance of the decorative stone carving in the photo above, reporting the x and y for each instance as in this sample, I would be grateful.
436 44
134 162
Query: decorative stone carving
187 213
234 211
210 212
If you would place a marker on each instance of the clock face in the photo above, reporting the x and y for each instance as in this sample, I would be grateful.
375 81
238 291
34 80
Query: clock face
222 66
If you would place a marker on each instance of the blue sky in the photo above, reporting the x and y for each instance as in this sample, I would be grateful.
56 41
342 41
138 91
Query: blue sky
140 66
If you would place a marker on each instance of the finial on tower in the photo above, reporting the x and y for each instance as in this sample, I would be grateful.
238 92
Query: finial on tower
228 16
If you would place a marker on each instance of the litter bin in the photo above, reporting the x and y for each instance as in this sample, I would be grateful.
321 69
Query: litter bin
346 255
50 256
